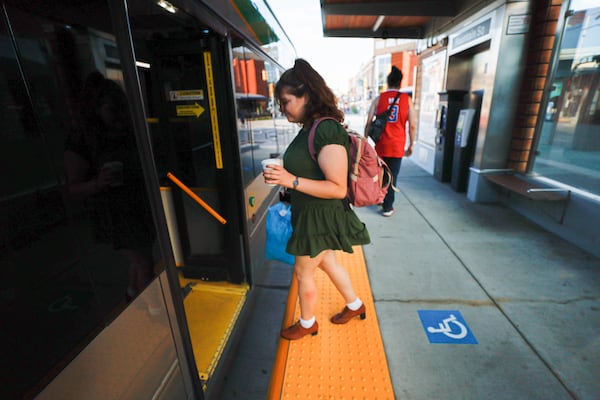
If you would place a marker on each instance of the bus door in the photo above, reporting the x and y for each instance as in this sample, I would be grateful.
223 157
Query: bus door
194 154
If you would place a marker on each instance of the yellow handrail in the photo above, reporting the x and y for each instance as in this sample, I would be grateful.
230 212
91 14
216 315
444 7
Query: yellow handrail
196 198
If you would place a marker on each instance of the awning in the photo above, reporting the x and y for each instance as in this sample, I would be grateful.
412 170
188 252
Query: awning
404 19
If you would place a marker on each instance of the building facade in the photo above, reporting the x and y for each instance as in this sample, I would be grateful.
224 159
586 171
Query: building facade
510 88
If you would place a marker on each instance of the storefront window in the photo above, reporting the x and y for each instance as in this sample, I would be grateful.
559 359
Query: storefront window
569 143
383 64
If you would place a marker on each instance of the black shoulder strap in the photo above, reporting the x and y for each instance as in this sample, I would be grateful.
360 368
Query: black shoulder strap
395 100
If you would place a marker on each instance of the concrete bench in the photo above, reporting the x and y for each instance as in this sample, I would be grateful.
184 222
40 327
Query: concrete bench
507 180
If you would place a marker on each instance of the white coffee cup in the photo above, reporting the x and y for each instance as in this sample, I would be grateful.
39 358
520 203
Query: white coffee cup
270 161
116 172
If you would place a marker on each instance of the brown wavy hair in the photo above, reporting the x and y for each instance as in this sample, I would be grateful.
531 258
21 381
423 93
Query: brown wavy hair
302 79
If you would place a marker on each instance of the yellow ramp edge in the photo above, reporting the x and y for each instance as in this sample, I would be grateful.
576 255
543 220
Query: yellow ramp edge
211 309
342 361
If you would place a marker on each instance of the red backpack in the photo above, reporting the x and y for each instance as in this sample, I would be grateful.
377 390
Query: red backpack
369 177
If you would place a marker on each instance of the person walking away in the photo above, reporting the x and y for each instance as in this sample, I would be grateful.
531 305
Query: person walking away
322 219
392 145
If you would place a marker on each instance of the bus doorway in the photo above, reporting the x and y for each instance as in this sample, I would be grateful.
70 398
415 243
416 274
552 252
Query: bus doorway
195 156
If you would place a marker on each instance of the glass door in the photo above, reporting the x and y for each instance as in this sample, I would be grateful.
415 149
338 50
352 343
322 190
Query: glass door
190 90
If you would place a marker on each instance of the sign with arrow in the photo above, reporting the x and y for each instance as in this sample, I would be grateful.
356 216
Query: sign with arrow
190 110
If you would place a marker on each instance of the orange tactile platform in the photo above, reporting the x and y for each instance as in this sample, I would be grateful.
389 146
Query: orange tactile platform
342 361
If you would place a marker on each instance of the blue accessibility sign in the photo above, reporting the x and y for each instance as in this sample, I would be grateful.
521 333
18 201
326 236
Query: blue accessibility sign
446 326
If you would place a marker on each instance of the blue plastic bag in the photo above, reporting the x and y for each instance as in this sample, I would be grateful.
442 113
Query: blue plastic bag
279 230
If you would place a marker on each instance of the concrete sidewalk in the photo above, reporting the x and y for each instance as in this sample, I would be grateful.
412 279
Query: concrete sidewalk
531 299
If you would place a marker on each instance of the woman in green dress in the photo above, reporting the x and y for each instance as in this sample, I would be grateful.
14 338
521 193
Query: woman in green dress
322 219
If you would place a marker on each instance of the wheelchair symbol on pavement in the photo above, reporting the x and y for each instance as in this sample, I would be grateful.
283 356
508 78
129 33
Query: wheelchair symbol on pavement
446 329
446 326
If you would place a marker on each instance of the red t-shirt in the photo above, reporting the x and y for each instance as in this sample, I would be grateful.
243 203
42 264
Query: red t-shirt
393 139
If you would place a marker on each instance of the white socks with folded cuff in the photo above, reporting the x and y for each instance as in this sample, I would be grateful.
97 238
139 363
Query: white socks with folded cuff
307 323
355 305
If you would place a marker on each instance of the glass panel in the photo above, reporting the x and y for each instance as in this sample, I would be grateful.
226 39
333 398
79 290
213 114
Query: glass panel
71 255
569 144
263 131
383 64
196 166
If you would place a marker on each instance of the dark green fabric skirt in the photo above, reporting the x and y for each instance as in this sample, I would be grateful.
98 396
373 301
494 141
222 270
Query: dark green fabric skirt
320 224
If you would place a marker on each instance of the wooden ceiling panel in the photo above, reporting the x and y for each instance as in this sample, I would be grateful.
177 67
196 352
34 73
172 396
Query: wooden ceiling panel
402 18
392 22
350 21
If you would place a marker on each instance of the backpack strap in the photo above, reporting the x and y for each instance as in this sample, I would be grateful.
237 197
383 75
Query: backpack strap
395 100
311 137
359 153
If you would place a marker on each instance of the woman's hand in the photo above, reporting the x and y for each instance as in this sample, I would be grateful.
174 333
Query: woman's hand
277 175
333 162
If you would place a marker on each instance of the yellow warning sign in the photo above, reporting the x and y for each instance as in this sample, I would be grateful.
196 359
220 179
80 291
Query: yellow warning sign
181 95
190 110
212 103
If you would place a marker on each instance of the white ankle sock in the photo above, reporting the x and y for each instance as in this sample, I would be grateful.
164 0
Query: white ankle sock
355 305
307 323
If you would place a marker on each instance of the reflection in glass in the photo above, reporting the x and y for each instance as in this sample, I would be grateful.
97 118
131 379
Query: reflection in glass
59 284
102 168
263 131
569 143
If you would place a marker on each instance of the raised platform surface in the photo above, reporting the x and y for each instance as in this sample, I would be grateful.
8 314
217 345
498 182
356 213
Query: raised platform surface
342 361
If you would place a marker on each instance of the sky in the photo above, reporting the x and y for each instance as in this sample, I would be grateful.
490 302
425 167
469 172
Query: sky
336 59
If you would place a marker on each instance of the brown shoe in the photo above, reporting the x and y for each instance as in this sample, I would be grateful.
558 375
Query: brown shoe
297 331
347 314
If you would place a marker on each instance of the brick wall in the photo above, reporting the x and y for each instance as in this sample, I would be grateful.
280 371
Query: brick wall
405 61
545 15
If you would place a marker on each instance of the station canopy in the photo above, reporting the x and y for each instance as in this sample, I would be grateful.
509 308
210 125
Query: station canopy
403 19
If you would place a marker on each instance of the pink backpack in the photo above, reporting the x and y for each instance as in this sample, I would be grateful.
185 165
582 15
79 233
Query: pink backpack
369 178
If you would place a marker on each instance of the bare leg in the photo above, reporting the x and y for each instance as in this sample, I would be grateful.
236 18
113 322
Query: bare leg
338 275
305 268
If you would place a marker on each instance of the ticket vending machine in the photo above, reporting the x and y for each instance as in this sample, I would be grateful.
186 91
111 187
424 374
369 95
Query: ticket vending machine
445 123
464 142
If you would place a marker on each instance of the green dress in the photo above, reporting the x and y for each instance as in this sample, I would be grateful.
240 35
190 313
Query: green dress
320 224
